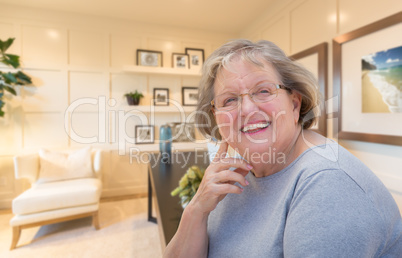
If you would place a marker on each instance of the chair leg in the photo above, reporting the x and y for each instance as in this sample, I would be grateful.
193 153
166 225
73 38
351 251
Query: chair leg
95 220
16 237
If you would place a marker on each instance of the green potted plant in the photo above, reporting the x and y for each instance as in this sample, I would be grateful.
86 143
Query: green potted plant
9 80
188 184
133 98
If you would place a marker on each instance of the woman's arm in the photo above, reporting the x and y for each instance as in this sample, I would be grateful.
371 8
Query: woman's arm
191 238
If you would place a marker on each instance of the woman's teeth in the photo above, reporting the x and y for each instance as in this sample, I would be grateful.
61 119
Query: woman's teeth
254 127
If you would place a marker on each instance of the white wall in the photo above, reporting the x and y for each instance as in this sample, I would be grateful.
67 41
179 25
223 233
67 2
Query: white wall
296 25
72 56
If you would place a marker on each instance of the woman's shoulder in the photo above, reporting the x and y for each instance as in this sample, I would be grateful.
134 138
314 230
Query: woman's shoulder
323 160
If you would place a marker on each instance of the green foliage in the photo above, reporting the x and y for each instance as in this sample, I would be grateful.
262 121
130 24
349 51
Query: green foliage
8 80
134 95
188 184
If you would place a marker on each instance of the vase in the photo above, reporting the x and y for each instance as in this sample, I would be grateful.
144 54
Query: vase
165 143
132 101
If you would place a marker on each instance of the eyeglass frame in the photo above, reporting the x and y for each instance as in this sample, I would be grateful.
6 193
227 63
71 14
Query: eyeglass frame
278 86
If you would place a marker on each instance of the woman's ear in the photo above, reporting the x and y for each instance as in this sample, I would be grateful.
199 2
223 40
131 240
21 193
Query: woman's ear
296 101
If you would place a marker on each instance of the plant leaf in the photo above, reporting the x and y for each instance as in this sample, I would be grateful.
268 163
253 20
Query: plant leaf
10 89
1 105
9 78
12 60
4 45
175 191
23 79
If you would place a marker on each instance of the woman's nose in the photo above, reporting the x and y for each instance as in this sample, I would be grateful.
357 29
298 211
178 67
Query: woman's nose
247 105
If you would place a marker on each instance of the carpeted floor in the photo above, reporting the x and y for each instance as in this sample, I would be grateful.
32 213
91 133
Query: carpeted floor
125 232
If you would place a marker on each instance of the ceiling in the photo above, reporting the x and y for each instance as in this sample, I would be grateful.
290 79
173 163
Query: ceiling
226 16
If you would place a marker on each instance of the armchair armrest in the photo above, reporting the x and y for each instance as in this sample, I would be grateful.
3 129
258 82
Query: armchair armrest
97 163
27 166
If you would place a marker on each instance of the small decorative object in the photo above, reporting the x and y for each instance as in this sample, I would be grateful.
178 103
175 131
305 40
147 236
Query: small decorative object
144 134
8 80
189 96
165 143
133 98
188 185
180 60
183 132
161 97
196 58
149 58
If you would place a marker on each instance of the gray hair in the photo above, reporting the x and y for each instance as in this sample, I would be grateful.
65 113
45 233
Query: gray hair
292 75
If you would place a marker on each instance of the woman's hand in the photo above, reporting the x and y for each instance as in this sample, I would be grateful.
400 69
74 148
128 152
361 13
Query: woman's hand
218 180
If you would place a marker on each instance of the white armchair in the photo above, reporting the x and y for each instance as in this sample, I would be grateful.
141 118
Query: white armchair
63 187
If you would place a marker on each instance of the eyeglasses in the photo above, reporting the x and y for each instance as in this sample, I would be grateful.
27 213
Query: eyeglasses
260 93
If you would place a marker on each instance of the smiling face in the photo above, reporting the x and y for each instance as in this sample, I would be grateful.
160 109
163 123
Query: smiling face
256 128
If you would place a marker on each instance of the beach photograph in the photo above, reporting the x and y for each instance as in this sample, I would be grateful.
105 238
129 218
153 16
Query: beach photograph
382 81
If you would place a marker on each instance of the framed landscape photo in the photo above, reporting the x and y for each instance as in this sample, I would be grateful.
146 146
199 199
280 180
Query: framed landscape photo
368 82
196 58
180 61
189 96
149 58
144 134
161 97
316 61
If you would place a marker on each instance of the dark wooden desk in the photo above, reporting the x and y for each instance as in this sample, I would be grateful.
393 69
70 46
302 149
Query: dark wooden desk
162 179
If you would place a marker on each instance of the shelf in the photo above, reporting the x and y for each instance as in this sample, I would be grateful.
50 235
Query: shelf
160 109
176 147
160 70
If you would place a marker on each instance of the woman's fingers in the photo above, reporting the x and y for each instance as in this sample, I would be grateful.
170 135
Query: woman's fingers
220 178
228 188
235 163
229 177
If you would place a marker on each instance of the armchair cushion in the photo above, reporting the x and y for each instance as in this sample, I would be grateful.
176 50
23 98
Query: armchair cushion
55 166
58 195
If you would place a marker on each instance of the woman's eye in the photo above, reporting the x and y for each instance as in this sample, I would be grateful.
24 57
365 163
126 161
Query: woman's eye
229 101
263 91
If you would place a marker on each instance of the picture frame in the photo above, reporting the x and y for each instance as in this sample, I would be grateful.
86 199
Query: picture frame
196 58
161 97
144 134
189 96
183 132
316 60
348 52
151 58
180 61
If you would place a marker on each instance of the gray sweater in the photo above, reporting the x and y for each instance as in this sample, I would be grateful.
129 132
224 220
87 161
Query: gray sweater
324 204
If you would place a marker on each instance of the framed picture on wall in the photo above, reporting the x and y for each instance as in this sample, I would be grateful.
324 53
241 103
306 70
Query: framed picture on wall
189 96
144 134
316 61
183 132
161 97
367 80
196 58
149 58
180 61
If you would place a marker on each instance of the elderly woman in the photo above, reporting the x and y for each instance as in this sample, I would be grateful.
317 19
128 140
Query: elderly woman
293 193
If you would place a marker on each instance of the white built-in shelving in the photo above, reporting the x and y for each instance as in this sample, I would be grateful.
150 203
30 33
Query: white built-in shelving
160 70
172 109
176 147
160 109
